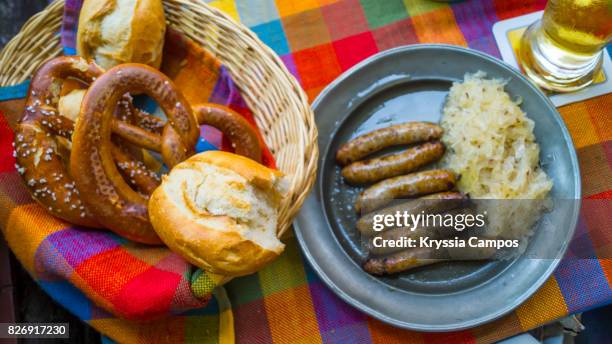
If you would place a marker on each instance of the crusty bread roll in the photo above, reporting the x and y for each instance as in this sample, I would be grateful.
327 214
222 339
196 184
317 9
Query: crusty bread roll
113 32
219 211
69 105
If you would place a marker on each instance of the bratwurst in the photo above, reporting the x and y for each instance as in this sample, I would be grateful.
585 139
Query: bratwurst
402 261
373 170
399 134
410 185
432 204
421 256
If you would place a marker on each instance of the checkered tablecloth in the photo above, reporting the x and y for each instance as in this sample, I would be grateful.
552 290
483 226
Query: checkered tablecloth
287 302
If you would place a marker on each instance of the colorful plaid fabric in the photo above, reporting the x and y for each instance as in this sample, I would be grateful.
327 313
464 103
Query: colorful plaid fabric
286 302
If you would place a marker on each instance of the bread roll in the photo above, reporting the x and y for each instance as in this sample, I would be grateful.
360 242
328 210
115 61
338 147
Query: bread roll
113 32
219 211
69 105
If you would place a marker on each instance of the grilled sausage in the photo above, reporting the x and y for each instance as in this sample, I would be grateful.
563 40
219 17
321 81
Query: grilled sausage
410 185
415 257
373 170
402 261
406 133
435 203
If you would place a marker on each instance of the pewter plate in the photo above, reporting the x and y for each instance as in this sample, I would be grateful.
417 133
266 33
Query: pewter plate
410 84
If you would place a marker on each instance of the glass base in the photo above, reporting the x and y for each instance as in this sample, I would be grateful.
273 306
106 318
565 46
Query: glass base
552 67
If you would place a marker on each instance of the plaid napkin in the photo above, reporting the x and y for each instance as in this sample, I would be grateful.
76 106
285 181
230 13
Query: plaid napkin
286 302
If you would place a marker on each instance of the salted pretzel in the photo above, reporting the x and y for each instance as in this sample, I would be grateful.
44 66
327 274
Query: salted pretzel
37 149
42 139
133 170
238 130
103 189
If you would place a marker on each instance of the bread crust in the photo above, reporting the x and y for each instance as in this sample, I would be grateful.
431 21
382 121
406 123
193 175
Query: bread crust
227 251
138 33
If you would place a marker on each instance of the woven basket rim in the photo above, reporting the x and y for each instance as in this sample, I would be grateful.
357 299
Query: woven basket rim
37 41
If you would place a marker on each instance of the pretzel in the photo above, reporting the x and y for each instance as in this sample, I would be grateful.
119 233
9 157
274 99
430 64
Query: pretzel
103 189
41 147
133 170
239 131
241 134
37 148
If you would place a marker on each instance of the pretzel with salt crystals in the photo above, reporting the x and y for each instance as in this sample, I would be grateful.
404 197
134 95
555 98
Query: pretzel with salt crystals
115 204
42 143
37 149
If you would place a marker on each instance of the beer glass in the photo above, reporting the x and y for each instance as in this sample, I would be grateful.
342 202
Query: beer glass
563 51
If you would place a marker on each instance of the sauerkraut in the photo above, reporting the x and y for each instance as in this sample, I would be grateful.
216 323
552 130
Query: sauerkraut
491 145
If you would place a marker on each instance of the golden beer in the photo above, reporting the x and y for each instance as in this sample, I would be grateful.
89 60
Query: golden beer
563 51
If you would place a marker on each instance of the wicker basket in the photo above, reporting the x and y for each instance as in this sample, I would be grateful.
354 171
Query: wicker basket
279 104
